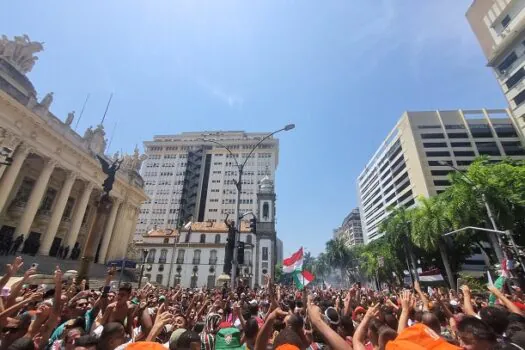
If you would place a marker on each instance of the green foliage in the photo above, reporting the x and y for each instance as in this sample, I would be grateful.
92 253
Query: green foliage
478 285
420 229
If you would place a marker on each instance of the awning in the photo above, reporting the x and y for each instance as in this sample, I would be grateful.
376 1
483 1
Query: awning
128 264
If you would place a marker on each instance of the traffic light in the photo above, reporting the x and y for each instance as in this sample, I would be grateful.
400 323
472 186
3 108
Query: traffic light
240 253
253 225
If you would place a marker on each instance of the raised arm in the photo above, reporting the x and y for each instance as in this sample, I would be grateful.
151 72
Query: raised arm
406 303
10 271
329 335
361 331
422 295
467 303
506 301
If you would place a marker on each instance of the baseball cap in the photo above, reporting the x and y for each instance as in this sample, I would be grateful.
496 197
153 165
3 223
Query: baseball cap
228 338
175 337
419 337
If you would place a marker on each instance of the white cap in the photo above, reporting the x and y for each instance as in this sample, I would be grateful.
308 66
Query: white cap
253 302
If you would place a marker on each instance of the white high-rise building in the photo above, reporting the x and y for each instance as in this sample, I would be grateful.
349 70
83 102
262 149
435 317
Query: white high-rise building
499 26
188 177
414 159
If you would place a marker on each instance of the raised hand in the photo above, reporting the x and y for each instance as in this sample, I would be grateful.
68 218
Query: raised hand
58 275
406 299
13 268
30 272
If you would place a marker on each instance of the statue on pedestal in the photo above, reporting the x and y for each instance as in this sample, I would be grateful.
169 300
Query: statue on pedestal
70 117
110 171
20 52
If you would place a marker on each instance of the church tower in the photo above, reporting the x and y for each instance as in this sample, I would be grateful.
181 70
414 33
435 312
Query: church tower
266 235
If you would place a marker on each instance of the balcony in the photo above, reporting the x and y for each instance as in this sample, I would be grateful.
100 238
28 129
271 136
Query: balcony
213 261
180 261
196 261
150 260
162 260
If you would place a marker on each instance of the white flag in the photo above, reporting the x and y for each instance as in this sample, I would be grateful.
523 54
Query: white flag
491 282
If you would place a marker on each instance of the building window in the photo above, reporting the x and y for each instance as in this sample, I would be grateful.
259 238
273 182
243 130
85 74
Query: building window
464 154
202 238
180 256
435 144
441 182
433 136
437 154
48 200
25 191
158 279
515 78
505 21
463 162
163 256
505 130
151 256
439 172
266 211
196 257
213 257
217 239
513 148
507 62
488 148
437 163
249 239
461 135
265 253
69 207
461 144
520 98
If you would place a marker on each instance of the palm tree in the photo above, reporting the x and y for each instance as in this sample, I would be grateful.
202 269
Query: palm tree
339 255
397 228
321 267
428 226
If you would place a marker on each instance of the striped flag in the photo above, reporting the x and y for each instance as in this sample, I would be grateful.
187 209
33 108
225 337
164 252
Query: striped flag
294 263
302 278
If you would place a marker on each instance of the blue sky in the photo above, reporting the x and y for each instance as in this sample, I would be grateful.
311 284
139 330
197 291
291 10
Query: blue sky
342 71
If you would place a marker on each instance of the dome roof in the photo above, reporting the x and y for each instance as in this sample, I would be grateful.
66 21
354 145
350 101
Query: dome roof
266 184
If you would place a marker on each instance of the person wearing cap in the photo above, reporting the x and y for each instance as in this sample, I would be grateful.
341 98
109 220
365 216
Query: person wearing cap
228 339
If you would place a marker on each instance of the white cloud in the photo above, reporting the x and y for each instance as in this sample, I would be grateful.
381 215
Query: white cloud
233 100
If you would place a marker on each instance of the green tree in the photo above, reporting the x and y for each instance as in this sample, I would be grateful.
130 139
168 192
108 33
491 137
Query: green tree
428 225
321 267
339 256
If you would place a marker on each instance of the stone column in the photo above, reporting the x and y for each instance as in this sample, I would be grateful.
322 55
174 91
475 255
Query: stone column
10 141
35 199
56 216
78 216
11 174
116 239
108 232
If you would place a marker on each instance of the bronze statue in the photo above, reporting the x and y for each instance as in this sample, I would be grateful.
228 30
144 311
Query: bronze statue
110 171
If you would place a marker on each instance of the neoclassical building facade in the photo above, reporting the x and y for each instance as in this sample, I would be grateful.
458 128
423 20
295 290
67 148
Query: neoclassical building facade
52 181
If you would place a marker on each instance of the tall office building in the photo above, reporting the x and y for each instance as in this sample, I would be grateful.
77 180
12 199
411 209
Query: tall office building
408 163
186 176
351 230
499 26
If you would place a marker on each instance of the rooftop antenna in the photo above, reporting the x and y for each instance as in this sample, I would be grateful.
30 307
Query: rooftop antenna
111 137
106 111
81 112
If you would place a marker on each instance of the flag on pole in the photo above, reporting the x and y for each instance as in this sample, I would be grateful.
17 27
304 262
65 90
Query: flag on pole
294 263
498 283
302 278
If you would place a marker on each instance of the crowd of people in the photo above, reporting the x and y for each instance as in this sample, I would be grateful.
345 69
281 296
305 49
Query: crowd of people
70 315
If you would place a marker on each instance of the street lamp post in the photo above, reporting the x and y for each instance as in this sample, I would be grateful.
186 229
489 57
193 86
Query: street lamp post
238 186
494 238
144 256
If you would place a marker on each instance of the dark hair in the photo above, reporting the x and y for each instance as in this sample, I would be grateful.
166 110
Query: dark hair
199 327
186 338
22 344
110 329
287 336
385 335
251 328
86 340
429 319
374 326
347 325
254 309
125 287
295 322
479 329
391 321
496 318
